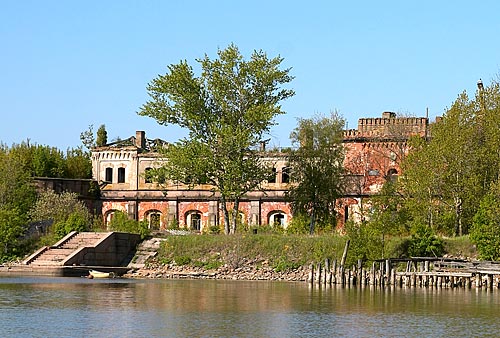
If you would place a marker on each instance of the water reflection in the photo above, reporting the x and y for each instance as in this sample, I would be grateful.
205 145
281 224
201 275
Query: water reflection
197 308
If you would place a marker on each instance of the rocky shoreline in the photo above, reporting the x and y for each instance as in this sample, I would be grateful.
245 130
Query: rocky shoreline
155 270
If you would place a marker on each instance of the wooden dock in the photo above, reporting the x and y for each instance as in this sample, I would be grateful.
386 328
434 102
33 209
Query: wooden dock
409 272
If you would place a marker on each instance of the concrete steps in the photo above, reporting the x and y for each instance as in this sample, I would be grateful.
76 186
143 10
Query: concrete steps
57 254
145 250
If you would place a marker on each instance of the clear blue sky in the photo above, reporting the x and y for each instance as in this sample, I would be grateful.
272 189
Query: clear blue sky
68 64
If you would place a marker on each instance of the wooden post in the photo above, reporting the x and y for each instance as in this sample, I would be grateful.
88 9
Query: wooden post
334 272
360 272
372 274
342 262
310 279
388 271
479 282
328 272
318 274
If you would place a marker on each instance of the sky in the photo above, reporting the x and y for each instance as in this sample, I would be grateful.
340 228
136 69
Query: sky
67 65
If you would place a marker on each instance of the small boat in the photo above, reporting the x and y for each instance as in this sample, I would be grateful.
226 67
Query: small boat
100 274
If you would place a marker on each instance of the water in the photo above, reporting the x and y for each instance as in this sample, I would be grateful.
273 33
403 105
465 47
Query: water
79 307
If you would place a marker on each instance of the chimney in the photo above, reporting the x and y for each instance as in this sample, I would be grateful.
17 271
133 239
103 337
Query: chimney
388 115
262 146
140 139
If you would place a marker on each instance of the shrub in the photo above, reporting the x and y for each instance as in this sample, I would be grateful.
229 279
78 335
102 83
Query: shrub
298 225
122 223
424 242
182 260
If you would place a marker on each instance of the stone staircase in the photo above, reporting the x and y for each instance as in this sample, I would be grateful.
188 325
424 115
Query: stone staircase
57 254
145 250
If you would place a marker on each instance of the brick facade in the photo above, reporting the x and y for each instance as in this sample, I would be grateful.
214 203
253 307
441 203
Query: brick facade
373 155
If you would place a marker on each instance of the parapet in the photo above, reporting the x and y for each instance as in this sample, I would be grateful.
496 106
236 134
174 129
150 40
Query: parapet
390 126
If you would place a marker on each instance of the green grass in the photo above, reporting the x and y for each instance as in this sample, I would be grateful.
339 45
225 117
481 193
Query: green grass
282 252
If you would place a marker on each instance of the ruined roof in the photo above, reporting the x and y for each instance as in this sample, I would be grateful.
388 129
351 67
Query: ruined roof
149 145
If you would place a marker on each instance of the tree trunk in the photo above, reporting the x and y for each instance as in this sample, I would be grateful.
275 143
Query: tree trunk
312 223
458 216
225 212
235 213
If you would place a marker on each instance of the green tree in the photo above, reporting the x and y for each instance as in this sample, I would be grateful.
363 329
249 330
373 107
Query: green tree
485 230
227 110
78 164
16 189
64 209
389 216
87 137
102 136
12 227
317 168
445 176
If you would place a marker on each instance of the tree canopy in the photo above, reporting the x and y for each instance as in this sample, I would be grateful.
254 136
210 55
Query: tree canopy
317 168
444 179
227 109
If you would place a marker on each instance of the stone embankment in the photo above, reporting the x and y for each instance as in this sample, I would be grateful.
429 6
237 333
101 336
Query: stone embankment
249 271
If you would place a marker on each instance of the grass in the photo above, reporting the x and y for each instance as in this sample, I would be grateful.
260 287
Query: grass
282 252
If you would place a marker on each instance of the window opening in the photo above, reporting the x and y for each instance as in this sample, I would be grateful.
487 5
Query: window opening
109 175
121 175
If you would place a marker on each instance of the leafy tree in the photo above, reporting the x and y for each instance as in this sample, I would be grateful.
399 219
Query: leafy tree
78 164
389 216
102 136
87 137
227 110
485 231
12 227
445 176
317 168
58 207
16 189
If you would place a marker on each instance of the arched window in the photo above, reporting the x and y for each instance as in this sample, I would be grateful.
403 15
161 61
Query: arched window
392 175
109 175
154 219
108 217
240 220
193 220
277 218
285 175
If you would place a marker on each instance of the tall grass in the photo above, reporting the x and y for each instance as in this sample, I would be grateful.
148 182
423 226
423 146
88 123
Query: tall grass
277 250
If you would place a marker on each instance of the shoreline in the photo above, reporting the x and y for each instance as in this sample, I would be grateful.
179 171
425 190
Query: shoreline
248 272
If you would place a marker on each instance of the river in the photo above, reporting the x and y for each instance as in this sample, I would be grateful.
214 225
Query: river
79 307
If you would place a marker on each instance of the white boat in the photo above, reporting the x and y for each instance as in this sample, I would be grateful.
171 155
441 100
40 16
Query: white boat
100 274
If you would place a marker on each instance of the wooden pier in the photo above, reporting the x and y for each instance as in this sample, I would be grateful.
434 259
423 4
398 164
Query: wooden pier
438 272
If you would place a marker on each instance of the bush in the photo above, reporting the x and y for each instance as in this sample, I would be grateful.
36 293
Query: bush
122 223
424 243
365 243
298 225
75 222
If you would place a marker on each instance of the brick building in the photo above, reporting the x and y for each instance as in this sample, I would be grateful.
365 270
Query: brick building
373 153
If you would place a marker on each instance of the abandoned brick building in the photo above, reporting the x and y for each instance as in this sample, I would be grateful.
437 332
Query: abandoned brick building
373 153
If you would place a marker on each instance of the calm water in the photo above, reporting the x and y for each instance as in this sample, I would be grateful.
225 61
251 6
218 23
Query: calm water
78 307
